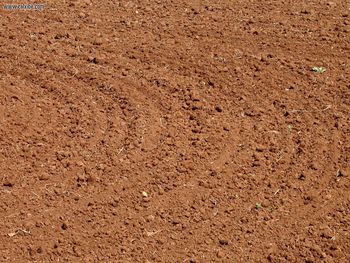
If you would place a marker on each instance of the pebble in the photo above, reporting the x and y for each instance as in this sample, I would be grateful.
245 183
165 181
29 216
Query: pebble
220 254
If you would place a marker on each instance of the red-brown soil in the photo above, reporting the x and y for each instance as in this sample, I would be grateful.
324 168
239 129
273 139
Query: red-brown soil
175 131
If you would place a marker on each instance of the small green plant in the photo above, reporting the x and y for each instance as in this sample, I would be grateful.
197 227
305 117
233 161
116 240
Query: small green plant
318 69
258 206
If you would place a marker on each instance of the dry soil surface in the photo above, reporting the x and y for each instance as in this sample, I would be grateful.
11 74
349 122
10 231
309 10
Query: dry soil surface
175 131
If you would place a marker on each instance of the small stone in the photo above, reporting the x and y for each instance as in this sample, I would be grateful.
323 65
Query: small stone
220 254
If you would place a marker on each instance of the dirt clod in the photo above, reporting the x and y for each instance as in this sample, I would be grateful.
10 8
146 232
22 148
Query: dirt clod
8 184
223 242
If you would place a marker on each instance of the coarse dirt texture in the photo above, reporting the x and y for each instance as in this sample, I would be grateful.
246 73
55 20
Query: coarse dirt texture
175 131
